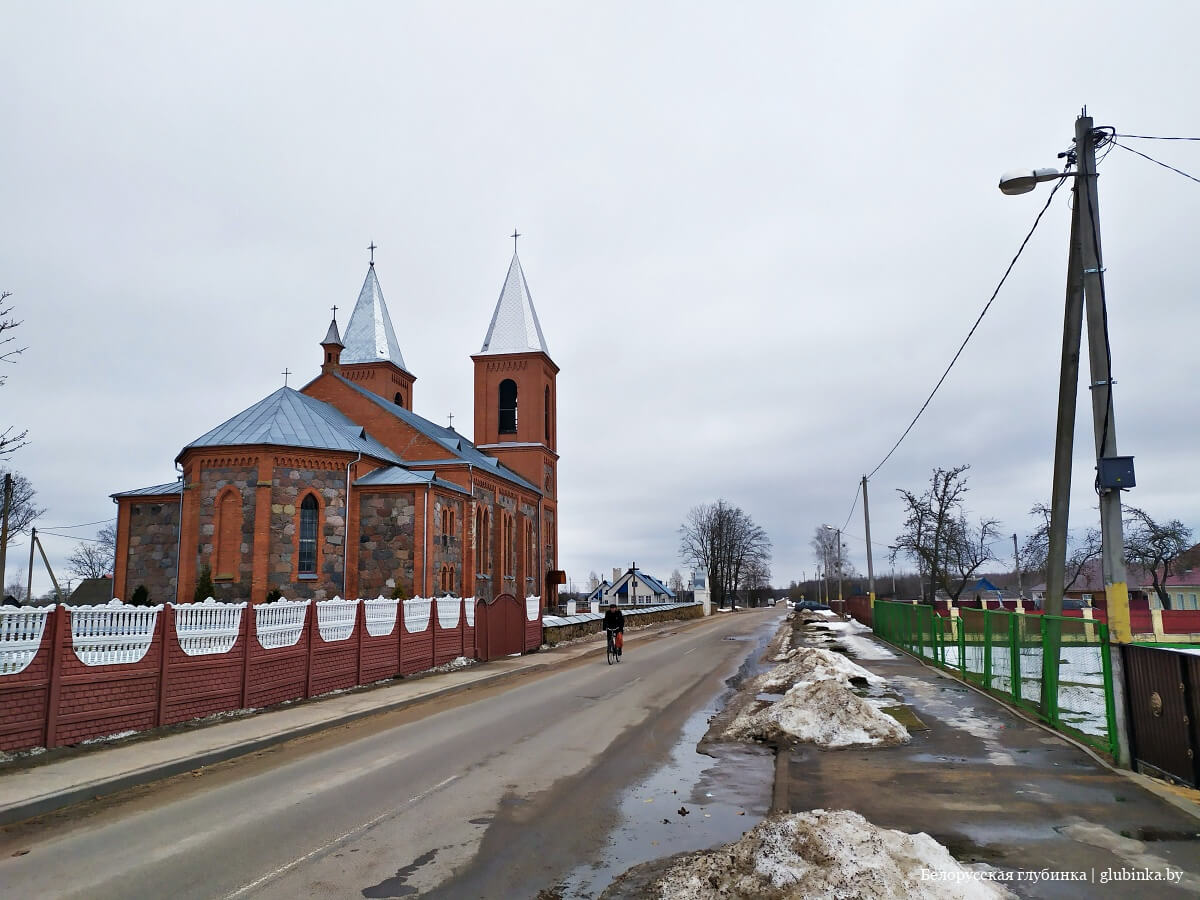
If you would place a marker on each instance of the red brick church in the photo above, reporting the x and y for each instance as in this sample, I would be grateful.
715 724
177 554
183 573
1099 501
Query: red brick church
339 488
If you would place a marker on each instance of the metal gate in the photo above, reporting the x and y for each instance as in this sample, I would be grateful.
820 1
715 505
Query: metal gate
1162 689
499 627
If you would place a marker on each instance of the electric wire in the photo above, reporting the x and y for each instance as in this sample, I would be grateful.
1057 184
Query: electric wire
1154 137
857 494
963 346
81 525
1156 161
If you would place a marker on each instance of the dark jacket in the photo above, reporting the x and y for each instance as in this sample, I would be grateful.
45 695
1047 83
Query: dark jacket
614 618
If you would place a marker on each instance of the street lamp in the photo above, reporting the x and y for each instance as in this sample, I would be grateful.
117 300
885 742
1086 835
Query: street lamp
1085 290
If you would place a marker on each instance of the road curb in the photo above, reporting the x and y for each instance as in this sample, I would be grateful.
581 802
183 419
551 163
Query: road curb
48 803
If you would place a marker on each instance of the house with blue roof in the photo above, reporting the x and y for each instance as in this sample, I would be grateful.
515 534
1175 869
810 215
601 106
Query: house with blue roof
340 488
635 588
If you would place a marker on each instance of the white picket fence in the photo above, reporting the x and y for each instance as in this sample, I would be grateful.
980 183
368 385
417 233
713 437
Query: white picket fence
335 618
533 606
208 627
117 632
112 633
380 616
21 631
280 624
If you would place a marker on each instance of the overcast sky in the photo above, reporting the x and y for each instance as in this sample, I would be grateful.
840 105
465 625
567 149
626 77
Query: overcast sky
754 234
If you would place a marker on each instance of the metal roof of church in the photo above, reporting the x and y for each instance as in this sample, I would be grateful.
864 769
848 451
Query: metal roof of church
515 327
171 487
400 475
288 418
461 448
369 334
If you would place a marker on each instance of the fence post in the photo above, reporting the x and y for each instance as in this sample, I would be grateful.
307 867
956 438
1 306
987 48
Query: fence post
361 627
160 714
310 622
1014 651
248 617
987 650
52 695
1110 707
962 646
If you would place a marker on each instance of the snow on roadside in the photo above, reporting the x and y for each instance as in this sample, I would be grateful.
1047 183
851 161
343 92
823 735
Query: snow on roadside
813 664
826 853
825 713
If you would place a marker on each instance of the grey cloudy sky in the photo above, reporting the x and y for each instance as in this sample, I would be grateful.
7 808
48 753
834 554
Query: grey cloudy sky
755 234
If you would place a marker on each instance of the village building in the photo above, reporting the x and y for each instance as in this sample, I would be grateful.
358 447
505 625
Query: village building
340 489
633 587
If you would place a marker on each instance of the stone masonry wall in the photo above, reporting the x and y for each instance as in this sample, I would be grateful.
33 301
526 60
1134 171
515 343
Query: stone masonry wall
484 589
289 485
153 544
447 548
211 482
386 543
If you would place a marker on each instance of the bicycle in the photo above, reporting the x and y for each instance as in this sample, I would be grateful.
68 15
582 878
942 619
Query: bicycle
614 652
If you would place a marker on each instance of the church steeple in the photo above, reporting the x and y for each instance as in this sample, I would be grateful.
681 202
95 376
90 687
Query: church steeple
333 346
371 356
515 327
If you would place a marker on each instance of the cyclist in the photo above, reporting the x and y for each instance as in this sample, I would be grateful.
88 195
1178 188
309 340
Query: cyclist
614 624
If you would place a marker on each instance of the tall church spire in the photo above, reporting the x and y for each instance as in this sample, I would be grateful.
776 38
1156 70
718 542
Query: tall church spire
515 327
369 334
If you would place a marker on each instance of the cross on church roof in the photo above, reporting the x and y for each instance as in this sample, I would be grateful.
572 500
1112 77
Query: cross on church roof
451 420
285 373
371 247
516 234
335 310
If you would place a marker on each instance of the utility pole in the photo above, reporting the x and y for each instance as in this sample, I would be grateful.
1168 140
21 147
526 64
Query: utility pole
870 563
1017 563
838 532
8 492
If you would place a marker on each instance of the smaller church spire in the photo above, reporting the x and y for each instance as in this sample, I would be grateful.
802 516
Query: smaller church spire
332 336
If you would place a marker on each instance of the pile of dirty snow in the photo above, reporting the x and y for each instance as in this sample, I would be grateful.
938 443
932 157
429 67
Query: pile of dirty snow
824 853
813 664
853 636
459 662
825 713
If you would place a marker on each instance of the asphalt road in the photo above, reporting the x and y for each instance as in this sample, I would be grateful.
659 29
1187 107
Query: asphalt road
496 792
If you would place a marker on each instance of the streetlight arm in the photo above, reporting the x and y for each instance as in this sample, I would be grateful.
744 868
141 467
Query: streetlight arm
1022 181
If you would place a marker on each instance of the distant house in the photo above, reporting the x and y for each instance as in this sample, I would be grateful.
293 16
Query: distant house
92 591
597 596
636 588
1183 589
1089 588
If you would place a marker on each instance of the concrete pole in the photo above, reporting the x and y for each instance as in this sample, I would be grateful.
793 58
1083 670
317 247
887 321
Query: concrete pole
8 492
870 562
838 532
1116 589
29 578
1017 562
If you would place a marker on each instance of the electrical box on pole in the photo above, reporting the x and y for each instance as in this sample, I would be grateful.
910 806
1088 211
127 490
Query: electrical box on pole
1115 473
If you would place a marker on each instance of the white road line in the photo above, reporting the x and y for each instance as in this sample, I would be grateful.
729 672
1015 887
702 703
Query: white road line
337 840
686 652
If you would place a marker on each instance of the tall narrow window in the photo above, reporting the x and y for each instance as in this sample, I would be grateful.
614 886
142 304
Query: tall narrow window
308 536
508 406
547 414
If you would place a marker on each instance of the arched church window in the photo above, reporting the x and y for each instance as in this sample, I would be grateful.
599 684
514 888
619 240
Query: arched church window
399 401
309 514
508 406
547 414
229 534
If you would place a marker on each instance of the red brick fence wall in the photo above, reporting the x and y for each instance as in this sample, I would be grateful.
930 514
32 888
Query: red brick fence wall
73 674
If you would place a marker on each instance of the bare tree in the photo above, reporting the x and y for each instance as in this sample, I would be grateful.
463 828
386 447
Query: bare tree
828 555
675 582
22 512
10 440
16 586
938 538
95 558
724 540
593 581
1034 552
1155 546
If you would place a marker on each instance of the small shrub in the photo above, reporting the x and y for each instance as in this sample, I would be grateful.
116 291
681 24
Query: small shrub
399 593
204 586
141 596
274 594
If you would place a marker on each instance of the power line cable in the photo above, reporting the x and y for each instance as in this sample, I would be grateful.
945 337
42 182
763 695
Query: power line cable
81 525
857 493
1155 137
1158 162
963 346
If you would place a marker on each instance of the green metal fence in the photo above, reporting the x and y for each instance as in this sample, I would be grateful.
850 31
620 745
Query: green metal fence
1005 654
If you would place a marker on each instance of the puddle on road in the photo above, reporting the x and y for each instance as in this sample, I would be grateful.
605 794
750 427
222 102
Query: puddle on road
725 792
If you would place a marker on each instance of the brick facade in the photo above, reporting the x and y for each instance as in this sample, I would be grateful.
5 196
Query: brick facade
210 486
292 481
386 543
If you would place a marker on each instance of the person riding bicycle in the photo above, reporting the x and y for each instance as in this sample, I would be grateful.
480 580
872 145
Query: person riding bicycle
614 624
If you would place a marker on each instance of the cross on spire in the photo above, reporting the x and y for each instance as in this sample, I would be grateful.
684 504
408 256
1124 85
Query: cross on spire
371 247
285 373
335 310
516 234
451 420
